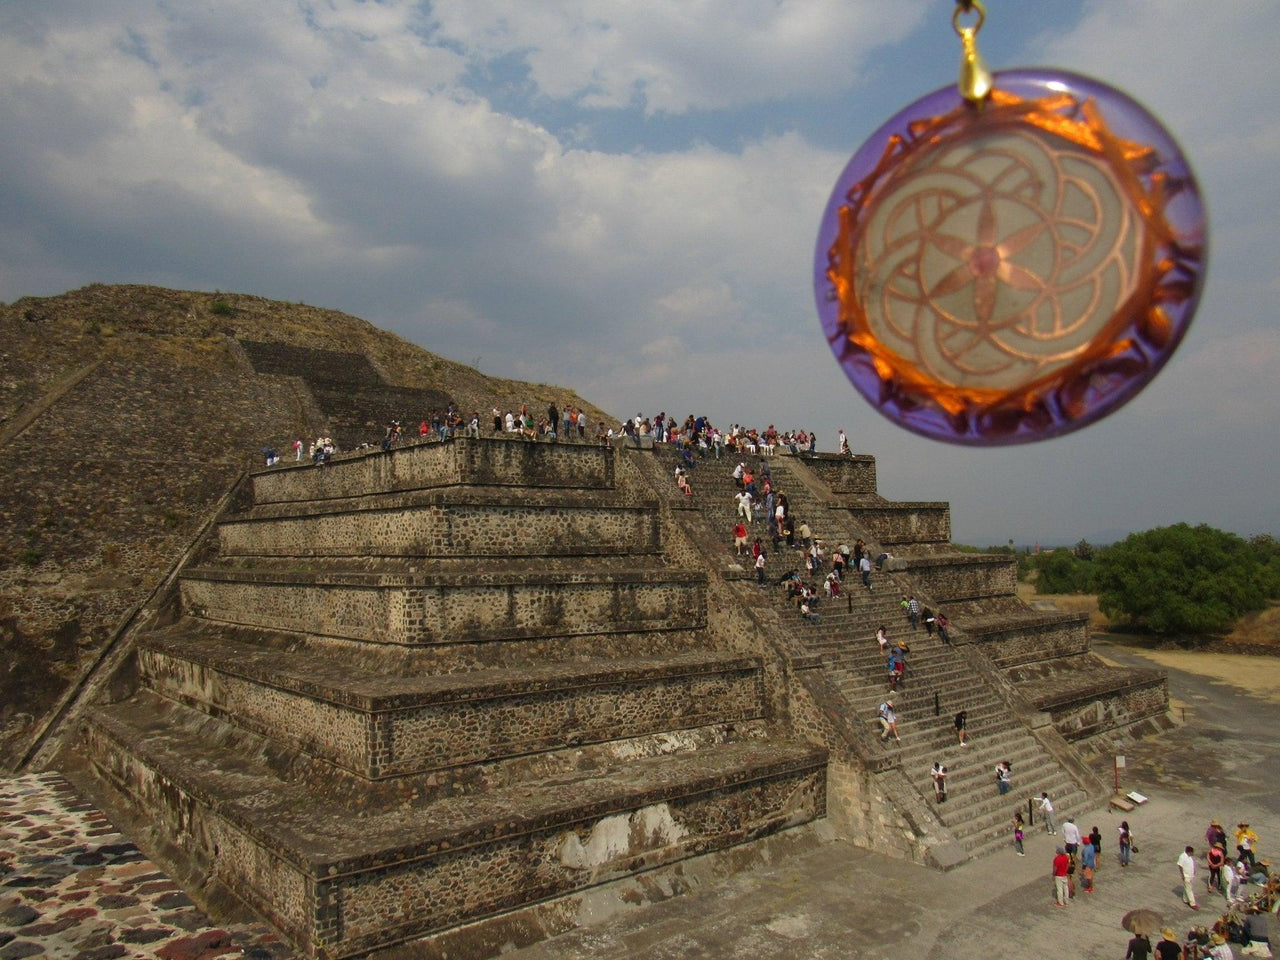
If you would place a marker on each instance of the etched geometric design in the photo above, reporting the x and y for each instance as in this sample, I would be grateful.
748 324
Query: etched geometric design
995 262
1013 270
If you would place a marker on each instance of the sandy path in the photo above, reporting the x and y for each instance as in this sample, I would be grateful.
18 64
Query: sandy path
1256 675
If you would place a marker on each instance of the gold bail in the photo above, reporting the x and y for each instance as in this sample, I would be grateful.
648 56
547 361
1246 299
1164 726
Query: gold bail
975 78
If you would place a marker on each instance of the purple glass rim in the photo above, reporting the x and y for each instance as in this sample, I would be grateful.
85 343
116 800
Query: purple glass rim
1185 214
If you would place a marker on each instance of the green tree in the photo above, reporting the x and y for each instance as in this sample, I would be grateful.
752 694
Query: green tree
1062 572
1181 580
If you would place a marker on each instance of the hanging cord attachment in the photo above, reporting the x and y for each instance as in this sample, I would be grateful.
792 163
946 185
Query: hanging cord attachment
975 79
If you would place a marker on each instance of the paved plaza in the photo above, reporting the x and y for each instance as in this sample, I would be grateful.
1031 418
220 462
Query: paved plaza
72 887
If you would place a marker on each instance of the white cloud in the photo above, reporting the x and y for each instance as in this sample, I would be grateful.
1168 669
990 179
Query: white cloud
342 152
672 55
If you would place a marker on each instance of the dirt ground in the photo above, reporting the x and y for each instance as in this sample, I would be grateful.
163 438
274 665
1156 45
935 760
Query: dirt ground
1258 676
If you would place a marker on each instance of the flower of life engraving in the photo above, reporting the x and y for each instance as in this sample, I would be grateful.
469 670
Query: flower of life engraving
1009 273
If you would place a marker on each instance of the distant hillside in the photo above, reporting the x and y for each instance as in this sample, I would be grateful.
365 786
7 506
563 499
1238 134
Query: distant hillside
126 414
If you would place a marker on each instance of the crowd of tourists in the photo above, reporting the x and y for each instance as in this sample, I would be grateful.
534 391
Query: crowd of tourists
703 439
697 437
1232 870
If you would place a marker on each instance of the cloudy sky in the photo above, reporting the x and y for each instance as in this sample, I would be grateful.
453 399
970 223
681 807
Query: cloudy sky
623 196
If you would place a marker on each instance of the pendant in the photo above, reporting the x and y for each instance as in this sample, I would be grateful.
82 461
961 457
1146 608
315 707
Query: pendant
1012 259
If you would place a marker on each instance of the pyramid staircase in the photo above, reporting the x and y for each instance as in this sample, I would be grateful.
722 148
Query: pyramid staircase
941 679
414 690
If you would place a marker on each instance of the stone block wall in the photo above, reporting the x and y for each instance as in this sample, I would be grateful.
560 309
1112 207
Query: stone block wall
352 393
103 493
1093 713
449 609
427 465
409 899
845 475
323 366
899 524
446 528
462 722
1027 641
361 414
947 579
429 877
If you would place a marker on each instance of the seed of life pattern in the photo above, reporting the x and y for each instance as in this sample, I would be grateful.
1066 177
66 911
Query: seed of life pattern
1012 273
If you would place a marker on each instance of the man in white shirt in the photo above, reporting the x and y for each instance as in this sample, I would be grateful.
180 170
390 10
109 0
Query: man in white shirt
744 505
1071 836
864 566
1046 811
1187 867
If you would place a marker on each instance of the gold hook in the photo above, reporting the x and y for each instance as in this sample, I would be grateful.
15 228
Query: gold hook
975 79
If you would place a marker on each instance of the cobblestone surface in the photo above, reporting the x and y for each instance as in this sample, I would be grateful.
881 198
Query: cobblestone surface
73 888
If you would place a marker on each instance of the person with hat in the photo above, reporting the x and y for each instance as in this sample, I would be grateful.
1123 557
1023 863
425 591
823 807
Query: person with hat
1214 858
1246 842
1168 947
1215 834
1088 863
1219 949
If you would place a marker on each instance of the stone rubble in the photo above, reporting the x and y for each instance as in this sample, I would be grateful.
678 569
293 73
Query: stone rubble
72 887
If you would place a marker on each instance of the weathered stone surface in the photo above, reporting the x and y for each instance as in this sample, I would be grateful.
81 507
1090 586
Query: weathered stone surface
945 579
400 873
379 726
445 608
19 916
444 524
1028 638
483 462
903 524
845 475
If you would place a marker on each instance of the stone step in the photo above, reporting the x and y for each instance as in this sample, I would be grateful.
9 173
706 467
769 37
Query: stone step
990 743
1000 836
439 608
974 767
378 726
844 638
997 818
341 882
496 461
456 522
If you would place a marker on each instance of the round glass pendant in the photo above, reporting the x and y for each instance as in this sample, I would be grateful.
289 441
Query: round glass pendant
1013 270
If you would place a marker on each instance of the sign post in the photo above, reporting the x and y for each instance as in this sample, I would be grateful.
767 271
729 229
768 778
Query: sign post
1119 766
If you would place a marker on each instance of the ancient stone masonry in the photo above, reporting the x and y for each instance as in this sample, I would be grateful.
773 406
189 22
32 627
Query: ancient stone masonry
882 795
846 476
353 395
128 412
413 690
1044 655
